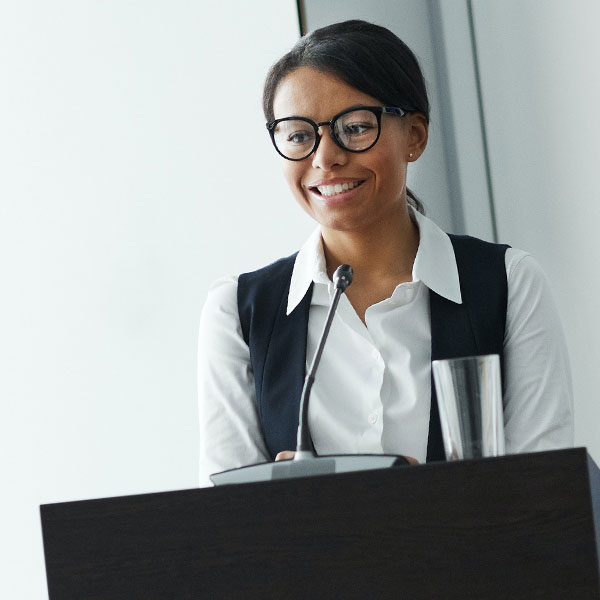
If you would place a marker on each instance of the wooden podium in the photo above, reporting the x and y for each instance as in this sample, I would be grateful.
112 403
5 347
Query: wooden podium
521 526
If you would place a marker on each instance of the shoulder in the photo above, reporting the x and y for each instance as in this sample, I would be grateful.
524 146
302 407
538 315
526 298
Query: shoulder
223 292
231 300
274 271
474 248
530 296
482 274
481 265
519 265
528 285
264 286
522 268
220 311
524 275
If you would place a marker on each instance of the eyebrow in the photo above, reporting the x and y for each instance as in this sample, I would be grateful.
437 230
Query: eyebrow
353 107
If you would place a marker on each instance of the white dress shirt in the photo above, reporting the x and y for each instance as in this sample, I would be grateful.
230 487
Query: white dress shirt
372 393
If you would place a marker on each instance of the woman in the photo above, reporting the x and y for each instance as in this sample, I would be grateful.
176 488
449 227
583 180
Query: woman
347 110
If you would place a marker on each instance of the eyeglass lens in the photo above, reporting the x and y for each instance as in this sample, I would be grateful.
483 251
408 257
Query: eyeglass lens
356 130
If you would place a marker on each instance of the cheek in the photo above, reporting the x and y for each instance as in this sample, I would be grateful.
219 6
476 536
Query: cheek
292 173
392 166
397 178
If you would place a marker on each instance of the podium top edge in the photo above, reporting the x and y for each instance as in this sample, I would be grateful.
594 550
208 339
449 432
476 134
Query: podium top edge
580 450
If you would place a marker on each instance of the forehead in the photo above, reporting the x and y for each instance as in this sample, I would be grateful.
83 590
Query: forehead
307 92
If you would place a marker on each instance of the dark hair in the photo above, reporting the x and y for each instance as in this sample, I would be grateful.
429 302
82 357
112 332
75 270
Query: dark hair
367 57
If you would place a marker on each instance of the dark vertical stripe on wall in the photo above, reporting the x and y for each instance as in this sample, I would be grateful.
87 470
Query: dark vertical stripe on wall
486 153
301 17
448 137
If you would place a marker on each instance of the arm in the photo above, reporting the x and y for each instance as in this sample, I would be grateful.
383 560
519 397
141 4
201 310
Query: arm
230 431
538 397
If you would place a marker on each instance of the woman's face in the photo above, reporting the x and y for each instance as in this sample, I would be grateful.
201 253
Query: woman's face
377 177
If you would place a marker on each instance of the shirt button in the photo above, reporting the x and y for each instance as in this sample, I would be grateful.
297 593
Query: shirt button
373 419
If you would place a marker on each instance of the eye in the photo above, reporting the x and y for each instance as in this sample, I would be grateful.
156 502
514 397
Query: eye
356 129
294 133
357 125
300 137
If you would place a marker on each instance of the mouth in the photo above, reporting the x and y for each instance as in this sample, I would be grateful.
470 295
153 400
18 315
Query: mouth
334 189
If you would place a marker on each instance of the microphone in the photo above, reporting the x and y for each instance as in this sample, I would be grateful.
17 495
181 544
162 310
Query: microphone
342 278
305 462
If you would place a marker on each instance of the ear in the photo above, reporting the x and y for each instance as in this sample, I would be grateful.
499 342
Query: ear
418 132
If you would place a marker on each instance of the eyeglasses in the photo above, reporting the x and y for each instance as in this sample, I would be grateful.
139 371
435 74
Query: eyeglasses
353 129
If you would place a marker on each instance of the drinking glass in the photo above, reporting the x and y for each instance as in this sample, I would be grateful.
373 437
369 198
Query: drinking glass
469 397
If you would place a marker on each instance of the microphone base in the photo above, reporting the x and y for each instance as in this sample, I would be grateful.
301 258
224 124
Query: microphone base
307 466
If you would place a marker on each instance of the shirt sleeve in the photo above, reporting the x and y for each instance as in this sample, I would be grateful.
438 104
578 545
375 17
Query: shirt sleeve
230 431
538 395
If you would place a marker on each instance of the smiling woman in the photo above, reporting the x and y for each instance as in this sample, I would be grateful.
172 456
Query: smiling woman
371 158
347 111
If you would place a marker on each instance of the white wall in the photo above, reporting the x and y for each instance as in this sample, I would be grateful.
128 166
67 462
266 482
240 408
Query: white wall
135 168
541 93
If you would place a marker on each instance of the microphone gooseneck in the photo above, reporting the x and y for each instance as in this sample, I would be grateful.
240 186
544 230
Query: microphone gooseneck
342 278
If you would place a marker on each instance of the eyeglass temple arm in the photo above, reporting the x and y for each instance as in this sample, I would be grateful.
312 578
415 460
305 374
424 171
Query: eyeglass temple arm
391 110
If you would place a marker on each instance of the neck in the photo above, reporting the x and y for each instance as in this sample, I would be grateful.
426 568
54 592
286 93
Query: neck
386 250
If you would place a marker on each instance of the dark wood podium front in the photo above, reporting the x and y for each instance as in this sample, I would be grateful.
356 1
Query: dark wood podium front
523 526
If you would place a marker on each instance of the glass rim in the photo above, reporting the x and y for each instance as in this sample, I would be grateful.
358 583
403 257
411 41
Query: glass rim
459 359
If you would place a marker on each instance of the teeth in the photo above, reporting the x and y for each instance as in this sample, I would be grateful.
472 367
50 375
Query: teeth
338 188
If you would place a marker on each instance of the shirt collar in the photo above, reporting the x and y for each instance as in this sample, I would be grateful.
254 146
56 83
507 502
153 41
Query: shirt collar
309 266
435 264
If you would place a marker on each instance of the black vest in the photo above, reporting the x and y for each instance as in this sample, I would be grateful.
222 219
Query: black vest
277 341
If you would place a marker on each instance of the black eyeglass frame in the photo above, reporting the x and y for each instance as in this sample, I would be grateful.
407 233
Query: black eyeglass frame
376 110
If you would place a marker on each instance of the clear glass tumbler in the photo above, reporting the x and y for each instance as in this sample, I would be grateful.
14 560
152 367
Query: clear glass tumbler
469 396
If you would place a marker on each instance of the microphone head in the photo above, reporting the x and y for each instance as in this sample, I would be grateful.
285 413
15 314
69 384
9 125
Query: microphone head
343 277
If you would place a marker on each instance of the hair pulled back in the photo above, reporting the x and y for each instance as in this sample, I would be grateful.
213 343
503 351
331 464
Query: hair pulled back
367 57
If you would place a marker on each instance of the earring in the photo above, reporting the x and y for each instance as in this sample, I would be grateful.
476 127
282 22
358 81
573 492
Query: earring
410 155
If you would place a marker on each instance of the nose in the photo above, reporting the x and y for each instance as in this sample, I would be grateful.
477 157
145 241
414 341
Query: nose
328 154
